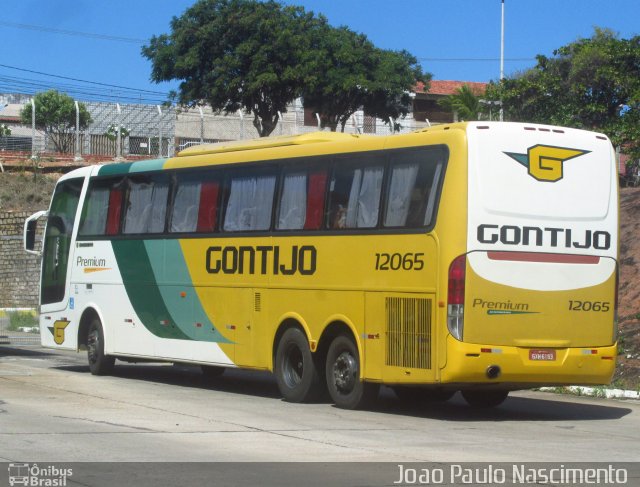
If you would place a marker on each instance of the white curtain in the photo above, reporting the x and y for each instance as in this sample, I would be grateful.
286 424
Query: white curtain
364 198
147 208
293 203
184 217
95 219
432 195
403 180
250 202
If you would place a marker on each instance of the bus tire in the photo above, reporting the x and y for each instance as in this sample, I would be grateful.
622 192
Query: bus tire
343 376
99 362
295 370
210 372
477 398
422 394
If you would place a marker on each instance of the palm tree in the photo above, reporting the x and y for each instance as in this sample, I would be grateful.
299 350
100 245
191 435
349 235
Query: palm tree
464 102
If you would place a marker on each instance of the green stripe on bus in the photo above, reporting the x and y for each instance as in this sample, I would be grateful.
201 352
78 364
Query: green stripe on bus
147 165
121 169
170 268
142 289
114 169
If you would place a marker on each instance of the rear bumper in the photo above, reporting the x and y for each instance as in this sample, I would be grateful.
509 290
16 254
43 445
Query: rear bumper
470 363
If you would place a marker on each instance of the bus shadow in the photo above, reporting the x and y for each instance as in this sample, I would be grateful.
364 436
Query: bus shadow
515 408
254 383
262 384
21 351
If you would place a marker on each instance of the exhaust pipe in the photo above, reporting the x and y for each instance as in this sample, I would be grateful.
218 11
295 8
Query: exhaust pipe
493 371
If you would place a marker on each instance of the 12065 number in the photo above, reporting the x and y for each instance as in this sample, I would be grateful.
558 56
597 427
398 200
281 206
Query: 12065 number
589 306
395 262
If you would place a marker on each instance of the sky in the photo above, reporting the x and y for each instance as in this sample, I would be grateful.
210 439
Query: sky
91 49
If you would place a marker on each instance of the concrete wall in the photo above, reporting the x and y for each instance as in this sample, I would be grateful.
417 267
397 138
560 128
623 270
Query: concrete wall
19 271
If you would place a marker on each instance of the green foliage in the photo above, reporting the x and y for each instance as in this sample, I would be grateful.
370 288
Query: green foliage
112 132
591 83
4 130
236 54
56 116
260 56
351 73
22 319
464 102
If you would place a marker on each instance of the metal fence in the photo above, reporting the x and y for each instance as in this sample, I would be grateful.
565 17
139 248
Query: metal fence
14 331
159 131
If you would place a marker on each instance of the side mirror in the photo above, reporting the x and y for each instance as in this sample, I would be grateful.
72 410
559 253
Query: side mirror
30 226
30 235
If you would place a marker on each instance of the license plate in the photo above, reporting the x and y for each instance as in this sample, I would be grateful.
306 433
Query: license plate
548 355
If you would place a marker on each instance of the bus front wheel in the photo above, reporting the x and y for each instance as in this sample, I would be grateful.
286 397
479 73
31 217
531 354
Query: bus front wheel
99 362
295 369
343 376
477 398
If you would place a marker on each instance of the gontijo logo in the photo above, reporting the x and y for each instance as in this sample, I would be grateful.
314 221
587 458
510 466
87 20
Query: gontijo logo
545 162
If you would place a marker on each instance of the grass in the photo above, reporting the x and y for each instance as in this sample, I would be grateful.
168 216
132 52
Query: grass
22 319
25 191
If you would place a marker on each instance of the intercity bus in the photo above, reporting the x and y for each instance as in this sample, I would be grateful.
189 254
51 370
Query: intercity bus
475 257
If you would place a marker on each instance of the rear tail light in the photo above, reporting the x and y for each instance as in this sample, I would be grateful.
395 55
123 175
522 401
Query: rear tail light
455 298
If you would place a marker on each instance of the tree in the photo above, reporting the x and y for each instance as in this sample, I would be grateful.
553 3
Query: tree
394 79
56 116
5 131
237 54
351 73
464 102
591 83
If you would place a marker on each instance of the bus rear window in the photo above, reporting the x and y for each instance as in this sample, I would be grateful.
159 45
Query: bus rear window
412 188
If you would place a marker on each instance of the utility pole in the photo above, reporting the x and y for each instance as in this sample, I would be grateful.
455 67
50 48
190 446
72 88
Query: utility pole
502 58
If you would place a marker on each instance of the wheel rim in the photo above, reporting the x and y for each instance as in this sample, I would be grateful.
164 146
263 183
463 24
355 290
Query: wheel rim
93 343
345 371
293 367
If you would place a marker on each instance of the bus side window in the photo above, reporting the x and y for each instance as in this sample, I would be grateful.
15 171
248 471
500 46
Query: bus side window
184 214
102 208
316 192
292 210
249 203
355 196
146 204
208 209
114 214
94 212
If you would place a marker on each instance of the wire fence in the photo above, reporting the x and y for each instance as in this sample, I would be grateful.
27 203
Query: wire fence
161 131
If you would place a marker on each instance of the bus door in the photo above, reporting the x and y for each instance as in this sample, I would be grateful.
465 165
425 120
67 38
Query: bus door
54 295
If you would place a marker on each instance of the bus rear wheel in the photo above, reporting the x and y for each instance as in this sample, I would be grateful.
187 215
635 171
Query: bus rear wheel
99 362
343 376
484 399
296 373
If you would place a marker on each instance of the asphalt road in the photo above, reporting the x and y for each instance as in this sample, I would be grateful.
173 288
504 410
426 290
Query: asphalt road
53 410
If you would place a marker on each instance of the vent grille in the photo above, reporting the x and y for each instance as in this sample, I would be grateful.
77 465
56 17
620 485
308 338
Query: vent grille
257 302
408 332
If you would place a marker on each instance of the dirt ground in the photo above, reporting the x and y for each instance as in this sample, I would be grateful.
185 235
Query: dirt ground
24 192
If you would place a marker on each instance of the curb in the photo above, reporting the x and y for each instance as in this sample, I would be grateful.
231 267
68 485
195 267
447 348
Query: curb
596 392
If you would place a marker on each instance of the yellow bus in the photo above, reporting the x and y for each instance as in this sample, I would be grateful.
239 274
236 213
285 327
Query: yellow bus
474 257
